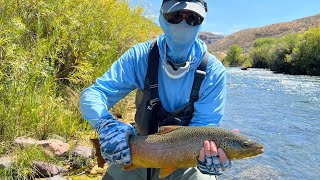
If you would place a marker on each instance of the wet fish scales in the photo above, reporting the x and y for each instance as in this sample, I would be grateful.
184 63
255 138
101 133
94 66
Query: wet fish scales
180 146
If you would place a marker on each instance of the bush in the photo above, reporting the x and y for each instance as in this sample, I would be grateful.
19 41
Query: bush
292 54
281 56
233 56
261 52
49 51
246 61
23 168
306 55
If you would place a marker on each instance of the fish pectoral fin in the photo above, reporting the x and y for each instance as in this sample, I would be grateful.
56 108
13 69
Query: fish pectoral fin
129 167
164 172
166 129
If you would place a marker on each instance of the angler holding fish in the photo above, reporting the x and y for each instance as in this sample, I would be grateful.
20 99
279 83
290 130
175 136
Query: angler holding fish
179 83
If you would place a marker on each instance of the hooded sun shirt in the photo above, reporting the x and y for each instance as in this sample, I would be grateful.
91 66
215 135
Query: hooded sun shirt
129 72
180 39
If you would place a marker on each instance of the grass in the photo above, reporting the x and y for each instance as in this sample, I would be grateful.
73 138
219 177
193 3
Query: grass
23 168
50 50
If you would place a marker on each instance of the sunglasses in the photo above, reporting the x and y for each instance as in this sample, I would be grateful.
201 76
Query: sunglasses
192 18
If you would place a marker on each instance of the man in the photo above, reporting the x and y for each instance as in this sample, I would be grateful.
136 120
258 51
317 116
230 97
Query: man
178 82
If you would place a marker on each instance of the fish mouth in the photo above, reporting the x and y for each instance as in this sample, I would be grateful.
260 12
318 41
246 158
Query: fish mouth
259 150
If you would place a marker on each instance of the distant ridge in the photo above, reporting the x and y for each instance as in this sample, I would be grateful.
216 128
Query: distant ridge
210 38
245 38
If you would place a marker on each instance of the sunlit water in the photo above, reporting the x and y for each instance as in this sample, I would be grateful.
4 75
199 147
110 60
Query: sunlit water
283 113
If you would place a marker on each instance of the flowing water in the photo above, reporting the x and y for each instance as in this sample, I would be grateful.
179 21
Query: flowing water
283 113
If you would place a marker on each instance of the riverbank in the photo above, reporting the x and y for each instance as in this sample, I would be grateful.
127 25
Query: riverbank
295 54
66 159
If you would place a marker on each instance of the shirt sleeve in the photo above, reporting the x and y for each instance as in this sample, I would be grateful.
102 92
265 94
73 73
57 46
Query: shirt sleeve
125 75
209 109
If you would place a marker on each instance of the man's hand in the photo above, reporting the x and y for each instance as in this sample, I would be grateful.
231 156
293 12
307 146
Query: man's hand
212 160
113 139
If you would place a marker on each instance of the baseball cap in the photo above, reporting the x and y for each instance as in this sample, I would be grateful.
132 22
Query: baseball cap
197 6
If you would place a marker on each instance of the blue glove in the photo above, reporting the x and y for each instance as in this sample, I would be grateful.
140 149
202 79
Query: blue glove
113 140
212 165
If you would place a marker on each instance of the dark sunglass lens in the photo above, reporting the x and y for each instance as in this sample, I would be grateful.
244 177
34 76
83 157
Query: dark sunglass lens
194 19
173 18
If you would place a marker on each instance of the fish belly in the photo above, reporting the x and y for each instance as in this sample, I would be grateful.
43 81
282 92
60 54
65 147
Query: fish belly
162 155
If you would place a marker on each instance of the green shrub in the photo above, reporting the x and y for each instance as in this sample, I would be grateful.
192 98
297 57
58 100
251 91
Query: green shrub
261 52
280 60
306 55
233 56
292 54
49 51
23 167
245 60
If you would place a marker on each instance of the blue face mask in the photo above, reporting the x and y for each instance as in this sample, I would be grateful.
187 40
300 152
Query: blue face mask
179 39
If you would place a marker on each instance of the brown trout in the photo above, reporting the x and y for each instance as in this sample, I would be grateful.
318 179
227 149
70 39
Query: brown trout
178 147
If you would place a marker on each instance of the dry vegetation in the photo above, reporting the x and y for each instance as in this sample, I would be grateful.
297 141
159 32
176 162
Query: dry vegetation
246 38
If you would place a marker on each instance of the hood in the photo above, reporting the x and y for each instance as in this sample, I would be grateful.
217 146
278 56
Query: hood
181 40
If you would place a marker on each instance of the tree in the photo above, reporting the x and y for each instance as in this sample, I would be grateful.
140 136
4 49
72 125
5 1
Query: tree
261 53
233 57
280 60
308 55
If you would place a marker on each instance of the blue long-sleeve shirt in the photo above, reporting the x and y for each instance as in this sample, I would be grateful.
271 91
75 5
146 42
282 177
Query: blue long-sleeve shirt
129 72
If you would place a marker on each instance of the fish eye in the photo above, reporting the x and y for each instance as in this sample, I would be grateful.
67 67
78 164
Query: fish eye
246 144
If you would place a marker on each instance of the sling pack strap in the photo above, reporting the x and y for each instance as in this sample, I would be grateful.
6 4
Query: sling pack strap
152 72
199 76
151 80
151 83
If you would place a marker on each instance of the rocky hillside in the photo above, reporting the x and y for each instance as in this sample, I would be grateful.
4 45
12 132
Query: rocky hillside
210 38
246 38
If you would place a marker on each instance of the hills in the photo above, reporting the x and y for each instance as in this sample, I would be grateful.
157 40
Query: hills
210 38
245 38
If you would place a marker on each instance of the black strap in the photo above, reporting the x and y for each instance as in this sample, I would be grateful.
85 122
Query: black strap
199 76
148 173
151 81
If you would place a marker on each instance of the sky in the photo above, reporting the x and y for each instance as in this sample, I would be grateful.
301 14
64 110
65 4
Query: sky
229 16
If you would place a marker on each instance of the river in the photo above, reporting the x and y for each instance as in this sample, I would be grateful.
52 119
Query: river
283 113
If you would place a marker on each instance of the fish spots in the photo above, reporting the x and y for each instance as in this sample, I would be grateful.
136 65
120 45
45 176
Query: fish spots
187 142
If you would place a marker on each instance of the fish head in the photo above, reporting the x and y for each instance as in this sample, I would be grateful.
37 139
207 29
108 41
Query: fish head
239 147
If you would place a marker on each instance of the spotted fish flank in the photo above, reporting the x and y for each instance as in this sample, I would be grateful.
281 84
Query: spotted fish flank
178 147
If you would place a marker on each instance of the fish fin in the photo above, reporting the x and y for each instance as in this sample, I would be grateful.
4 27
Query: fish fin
166 129
129 167
164 172
99 157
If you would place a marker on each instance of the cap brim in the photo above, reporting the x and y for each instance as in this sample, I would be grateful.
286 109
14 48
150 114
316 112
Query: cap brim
172 6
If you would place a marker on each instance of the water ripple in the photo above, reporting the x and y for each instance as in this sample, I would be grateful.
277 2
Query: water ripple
282 112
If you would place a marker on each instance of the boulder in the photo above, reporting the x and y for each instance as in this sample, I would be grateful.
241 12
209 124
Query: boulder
51 146
45 169
25 141
6 162
83 151
59 148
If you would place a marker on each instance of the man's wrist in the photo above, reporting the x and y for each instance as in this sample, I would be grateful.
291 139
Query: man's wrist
104 122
